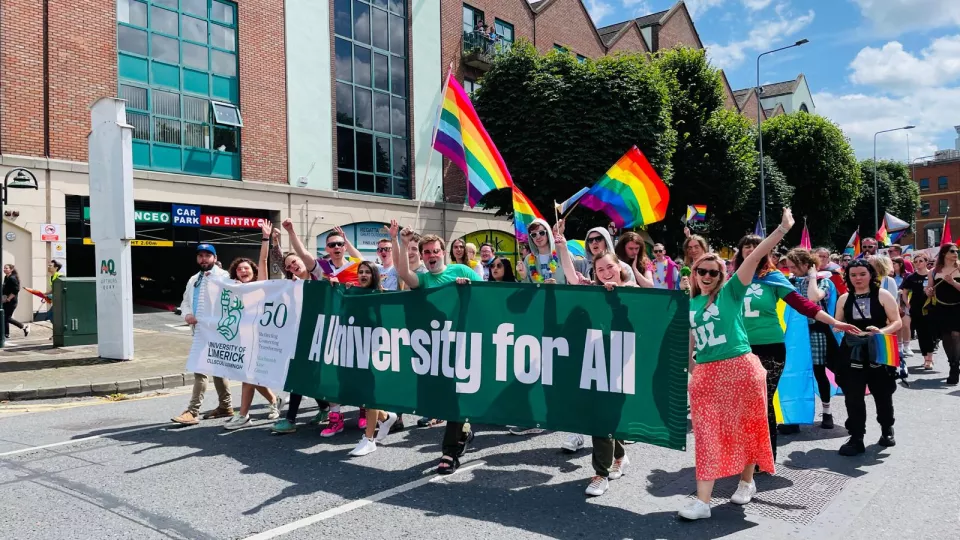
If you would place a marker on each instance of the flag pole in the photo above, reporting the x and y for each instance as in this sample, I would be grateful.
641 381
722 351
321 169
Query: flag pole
433 139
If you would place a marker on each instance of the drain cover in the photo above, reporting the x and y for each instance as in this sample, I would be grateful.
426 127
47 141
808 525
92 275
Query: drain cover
794 495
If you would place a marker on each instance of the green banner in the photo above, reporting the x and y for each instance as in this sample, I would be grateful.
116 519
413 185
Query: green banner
579 359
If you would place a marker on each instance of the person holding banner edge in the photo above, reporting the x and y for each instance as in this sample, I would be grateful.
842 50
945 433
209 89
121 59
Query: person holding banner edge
457 435
728 391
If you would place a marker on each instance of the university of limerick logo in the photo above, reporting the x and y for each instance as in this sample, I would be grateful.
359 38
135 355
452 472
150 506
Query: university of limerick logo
711 312
231 311
755 290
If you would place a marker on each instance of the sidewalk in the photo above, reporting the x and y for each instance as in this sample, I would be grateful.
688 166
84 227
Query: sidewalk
31 368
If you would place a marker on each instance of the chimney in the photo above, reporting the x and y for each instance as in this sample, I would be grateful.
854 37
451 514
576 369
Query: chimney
956 142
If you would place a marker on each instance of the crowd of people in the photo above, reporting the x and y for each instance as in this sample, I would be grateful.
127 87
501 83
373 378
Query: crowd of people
736 355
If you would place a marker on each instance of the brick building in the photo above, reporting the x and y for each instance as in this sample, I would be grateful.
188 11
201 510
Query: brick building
939 182
776 99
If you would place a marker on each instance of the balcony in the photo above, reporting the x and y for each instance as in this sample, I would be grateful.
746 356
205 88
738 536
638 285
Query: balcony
479 50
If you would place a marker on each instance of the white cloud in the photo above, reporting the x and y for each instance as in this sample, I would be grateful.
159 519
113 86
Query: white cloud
861 116
598 10
764 36
892 68
696 7
756 5
893 17
637 8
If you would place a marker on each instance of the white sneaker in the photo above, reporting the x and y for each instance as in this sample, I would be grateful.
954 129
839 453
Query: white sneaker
385 426
906 352
745 493
237 422
695 510
275 408
618 468
573 443
598 486
364 447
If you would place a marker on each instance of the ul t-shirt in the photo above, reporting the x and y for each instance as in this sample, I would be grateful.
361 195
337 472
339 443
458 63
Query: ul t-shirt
718 329
388 277
760 316
450 274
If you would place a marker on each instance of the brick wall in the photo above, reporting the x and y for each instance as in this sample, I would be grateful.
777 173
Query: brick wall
21 78
678 30
750 108
932 172
567 23
729 102
263 92
632 41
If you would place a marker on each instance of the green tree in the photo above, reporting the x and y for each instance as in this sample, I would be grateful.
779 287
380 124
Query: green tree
560 124
898 194
818 162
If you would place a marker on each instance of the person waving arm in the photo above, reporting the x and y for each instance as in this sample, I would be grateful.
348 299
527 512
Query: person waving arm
747 270
404 272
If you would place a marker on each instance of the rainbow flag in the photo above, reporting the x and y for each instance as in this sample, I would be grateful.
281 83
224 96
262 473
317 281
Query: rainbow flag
631 193
462 139
696 212
524 212
853 245
888 354
577 248
882 237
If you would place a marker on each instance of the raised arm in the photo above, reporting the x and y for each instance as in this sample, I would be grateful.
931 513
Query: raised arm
308 259
352 251
566 260
749 267
814 294
263 269
404 272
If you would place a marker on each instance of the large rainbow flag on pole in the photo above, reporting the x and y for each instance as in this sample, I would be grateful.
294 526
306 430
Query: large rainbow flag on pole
631 193
524 212
462 139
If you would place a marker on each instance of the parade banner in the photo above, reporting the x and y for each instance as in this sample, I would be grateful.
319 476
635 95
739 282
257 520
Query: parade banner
570 358
246 332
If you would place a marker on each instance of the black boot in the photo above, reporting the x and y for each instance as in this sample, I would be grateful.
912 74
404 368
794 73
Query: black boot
853 446
788 429
827 421
954 376
886 439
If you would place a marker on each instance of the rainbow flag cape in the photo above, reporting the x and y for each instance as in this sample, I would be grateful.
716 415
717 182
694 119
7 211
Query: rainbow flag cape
462 139
696 212
887 351
630 193
524 212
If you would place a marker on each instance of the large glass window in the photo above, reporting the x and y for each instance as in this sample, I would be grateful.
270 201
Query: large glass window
177 63
942 183
944 206
924 184
925 208
504 33
370 63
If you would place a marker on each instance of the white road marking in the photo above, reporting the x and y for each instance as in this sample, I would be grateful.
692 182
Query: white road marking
181 327
74 441
353 505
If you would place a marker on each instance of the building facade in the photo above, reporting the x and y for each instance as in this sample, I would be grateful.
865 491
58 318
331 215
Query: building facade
939 182
320 112
776 98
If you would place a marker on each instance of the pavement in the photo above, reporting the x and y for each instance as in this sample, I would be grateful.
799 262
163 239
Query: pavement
32 368
93 468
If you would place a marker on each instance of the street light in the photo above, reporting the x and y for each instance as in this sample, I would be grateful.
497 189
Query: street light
18 178
763 187
876 199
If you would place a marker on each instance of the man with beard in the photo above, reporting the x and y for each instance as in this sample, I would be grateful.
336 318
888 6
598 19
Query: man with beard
207 260
486 259
439 273
869 247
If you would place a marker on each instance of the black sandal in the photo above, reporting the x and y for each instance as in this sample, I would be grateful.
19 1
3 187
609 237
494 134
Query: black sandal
429 422
464 444
451 465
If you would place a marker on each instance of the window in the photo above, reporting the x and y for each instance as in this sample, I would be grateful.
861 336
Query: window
933 233
178 71
471 18
803 108
371 70
942 183
581 58
560 49
925 208
504 32
924 184
470 85
944 207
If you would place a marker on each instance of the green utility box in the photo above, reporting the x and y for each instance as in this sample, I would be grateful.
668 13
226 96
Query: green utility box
74 311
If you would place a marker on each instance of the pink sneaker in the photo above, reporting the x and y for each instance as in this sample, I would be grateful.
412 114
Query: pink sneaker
362 419
334 425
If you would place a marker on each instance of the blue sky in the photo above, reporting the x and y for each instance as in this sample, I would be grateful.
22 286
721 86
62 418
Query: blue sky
871 64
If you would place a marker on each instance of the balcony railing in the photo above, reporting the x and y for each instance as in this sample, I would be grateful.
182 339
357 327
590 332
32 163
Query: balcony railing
479 49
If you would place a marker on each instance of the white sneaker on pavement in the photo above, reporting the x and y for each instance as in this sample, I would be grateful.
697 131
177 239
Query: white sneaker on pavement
598 486
573 443
385 426
695 510
237 422
364 447
275 408
618 468
745 493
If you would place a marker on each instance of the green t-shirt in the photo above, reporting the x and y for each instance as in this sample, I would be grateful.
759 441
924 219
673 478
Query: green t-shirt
760 313
429 280
718 330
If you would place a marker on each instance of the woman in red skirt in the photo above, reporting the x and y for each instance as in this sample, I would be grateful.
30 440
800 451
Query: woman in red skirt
728 389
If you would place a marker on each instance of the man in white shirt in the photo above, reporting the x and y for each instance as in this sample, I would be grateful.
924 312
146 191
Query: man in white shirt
388 271
207 260
486 259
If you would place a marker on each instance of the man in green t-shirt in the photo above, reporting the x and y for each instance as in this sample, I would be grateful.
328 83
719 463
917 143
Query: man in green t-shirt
439 273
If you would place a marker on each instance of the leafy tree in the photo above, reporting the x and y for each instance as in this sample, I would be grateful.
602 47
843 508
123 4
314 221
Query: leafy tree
898 194
817 161
560 124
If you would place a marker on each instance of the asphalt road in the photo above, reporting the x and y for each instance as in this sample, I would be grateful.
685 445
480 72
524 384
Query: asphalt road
91 468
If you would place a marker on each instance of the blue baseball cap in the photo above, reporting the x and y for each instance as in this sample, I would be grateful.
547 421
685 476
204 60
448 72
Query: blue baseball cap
208 248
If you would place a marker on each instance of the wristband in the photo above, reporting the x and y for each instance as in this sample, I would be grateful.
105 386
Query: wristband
781 229
264 239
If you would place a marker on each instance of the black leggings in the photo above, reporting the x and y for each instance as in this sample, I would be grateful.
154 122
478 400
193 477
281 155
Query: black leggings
951 346
8 309
294 407
772 357
823 383
926 337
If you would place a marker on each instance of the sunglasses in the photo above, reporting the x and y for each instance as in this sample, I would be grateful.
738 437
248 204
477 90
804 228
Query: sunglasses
594 239
386 249
497 266
952 250
537 234
432 251
703 272
658 251
332 245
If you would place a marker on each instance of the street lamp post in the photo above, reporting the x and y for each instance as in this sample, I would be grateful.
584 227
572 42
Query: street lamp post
18 178
876 196
763 187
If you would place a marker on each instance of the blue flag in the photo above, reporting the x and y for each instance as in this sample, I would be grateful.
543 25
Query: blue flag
758 230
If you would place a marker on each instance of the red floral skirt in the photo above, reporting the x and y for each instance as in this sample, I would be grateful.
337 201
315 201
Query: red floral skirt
728 402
